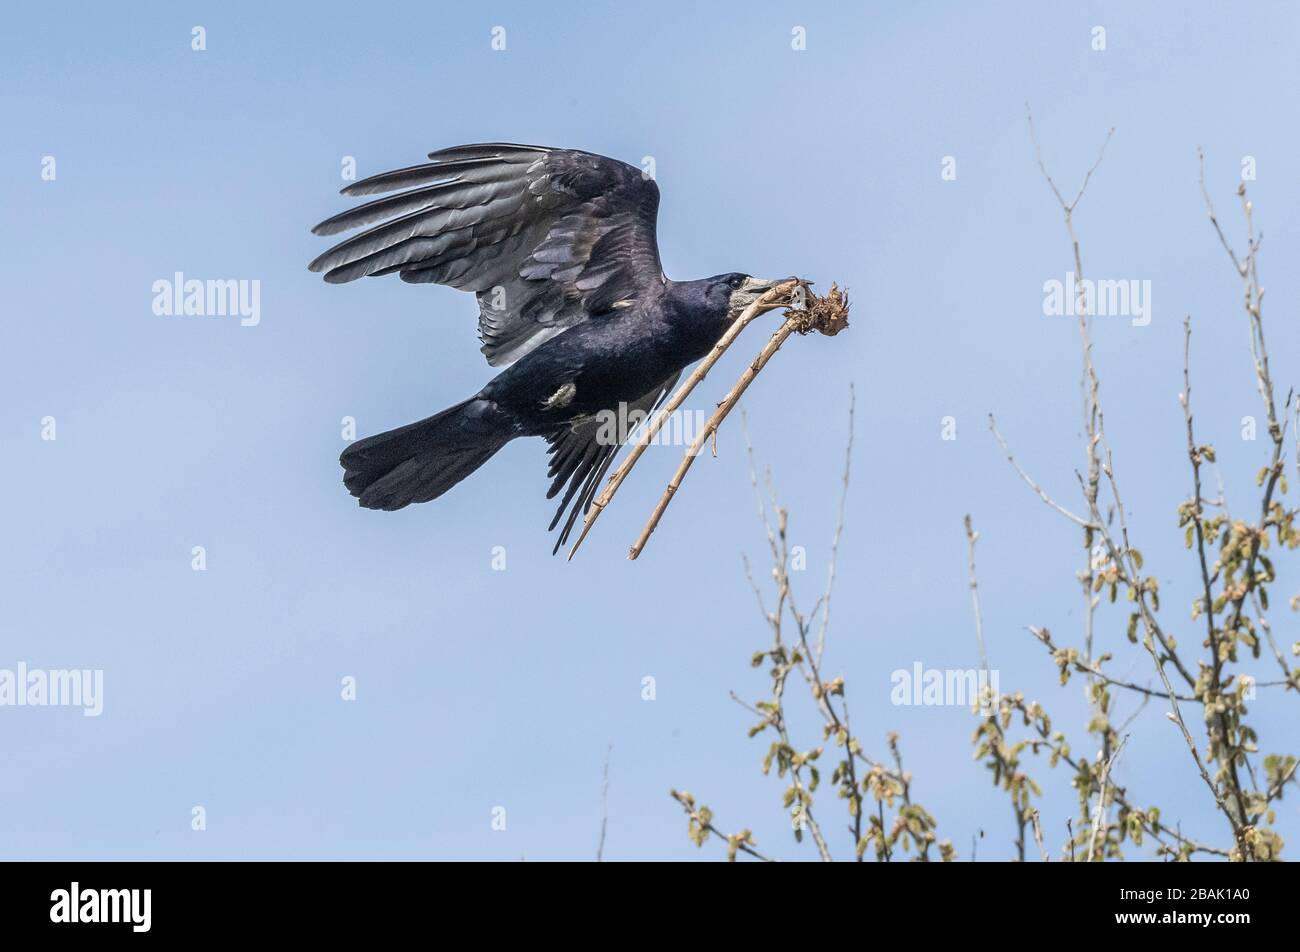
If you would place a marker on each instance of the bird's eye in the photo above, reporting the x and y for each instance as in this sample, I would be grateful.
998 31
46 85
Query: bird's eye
735 283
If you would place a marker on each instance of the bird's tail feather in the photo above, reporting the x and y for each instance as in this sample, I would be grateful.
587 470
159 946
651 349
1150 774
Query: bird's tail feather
421 461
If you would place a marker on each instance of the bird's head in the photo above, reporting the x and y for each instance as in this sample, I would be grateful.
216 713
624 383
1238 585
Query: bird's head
734 292
705 308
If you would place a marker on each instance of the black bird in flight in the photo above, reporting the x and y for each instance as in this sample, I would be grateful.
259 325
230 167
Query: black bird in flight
559 246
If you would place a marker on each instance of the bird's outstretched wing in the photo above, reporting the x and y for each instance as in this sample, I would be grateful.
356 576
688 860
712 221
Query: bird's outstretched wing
545 237
581 455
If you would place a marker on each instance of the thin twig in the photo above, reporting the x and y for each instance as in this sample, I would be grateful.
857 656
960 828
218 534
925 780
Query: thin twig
604 806
839 529
796 321
1100 823
1038 835
971 538
1042 494
688 805
773 345
770 300
1094 670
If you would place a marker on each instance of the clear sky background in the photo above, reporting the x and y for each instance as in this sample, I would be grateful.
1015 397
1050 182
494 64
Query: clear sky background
480 688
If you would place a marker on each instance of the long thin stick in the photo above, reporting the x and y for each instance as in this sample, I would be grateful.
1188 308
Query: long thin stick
771 299
720 414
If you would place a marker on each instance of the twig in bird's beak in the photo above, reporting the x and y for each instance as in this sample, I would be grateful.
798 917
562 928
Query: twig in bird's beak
828 315
779 295
805 312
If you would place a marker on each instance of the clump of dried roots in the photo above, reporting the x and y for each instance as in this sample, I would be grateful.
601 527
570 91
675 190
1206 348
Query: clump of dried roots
827 315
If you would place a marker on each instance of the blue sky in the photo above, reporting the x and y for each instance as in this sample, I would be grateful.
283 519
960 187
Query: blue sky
477 688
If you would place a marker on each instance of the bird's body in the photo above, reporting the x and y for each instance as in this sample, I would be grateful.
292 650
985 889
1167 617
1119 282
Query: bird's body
602 363
560 247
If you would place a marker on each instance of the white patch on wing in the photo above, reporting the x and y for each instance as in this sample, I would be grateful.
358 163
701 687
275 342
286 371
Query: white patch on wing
561 398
